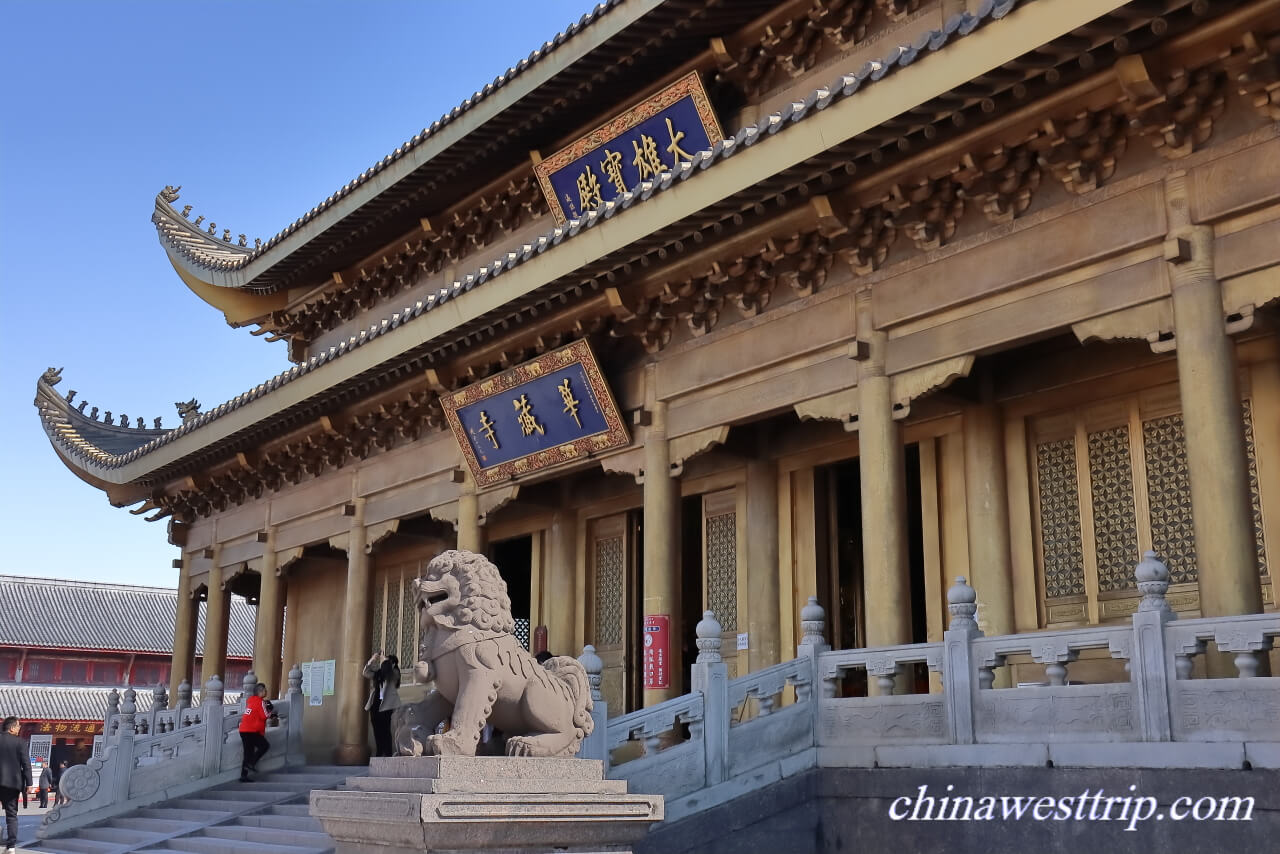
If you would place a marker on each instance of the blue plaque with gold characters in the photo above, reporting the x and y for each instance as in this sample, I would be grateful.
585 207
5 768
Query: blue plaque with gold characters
551 410
653 136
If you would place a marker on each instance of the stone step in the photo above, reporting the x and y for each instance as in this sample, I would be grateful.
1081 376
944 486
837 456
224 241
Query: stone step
223 805
216 845
251 792
303 809
169 812
76 845
270 835
287 777
145 824
119 836
281 822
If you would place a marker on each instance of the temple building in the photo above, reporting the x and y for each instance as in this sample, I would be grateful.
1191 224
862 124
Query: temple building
721 305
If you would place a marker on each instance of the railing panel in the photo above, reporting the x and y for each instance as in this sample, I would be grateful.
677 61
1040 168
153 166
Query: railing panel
768 739
672 773
1076 713
1226 709
900 719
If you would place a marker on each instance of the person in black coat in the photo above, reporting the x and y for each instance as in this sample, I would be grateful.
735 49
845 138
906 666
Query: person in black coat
15 776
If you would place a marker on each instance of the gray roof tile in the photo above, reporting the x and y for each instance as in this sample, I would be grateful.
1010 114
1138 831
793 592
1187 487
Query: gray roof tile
60 614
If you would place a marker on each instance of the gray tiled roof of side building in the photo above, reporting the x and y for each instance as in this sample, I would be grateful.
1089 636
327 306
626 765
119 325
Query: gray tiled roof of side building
61 614
73 702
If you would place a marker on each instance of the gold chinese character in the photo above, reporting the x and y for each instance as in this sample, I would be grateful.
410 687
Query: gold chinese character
677 153
75 728
570 403
486 427
647 160
60 728
524 414
588 190
612 167
46 727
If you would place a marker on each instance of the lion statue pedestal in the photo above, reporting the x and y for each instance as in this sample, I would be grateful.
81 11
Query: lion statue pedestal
412 804
438 795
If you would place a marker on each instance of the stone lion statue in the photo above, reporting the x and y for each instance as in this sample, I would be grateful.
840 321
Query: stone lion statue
483 675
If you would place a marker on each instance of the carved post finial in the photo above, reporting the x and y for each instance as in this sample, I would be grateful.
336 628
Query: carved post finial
212 692
113 705
1153 583
184 694
248 685
709 631
594 666
295 680
962 603
128 710
159 697
813 622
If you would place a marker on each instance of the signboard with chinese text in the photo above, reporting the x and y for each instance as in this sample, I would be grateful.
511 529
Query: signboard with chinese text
657 651
553 409
650 138
39 747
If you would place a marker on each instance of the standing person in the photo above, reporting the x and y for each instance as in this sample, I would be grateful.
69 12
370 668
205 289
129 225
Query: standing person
384 698
58 797
253 731
46 783
15 776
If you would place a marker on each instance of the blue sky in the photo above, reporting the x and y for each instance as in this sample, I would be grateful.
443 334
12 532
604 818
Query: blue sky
259 110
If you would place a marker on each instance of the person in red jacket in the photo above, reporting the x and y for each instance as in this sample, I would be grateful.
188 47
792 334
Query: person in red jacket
253 731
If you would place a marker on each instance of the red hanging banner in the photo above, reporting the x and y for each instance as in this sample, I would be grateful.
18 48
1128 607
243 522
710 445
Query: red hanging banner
657 651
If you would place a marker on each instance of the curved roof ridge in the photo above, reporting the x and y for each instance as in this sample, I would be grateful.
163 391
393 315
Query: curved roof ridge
75 582
842 87
205 251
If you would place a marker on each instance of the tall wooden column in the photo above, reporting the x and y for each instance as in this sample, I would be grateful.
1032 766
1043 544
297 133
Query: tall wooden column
269 628
559 603
353 744
1211 414
217 614
185 623
470 537
763 615
662 546
886 584
987 511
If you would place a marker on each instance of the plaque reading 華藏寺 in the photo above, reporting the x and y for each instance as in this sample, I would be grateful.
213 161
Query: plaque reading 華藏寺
554 409
650 138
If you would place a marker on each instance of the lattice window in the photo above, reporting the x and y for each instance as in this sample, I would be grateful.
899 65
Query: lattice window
376 626
722 569
391 627
610 565
1060 519
408 624
1254 495
522 631
1169 495
1115 526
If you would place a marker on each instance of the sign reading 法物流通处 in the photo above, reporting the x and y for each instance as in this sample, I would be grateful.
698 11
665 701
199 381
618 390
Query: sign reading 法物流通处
657 651
638 145
554 409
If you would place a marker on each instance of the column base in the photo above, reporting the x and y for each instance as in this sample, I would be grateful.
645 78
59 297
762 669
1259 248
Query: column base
351 754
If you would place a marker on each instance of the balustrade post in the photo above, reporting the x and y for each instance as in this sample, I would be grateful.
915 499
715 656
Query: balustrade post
293 738
711 678
124 746
959 670
813 642
248 686
113 709
596 745
1149 667
159 702
211 718
184 702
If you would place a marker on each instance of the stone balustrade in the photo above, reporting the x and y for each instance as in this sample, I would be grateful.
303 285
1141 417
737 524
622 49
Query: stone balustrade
744 734
166 753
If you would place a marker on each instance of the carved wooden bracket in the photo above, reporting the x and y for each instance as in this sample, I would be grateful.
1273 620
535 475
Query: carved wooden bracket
492 500
1177 112
1151 322
686 447
1082 152
1255 70
917 382
375 534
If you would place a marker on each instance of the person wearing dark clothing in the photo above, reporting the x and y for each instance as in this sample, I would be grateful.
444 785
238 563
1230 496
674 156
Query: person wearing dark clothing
46 783
15 776
384 699
54 780
253 731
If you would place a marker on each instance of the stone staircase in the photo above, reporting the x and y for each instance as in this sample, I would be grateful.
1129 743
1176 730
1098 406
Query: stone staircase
268 816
